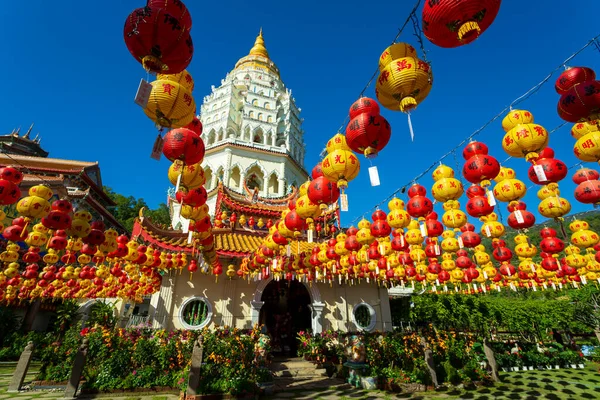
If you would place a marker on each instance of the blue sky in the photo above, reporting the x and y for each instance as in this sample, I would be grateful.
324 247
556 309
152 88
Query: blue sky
66 68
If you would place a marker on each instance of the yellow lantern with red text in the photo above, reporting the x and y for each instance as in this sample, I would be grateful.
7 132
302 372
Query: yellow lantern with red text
587 147
340 166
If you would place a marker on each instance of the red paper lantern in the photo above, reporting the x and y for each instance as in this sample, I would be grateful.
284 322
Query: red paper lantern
555 170
364 105
479 166
184 145
175 8
588 186
519 217
294 222
195 126
317 171
367 132
195 197
550 243
478 204
573 76
434 227
453 23
580 95
469 237
323 192
159 41
60 216
418 205
9 185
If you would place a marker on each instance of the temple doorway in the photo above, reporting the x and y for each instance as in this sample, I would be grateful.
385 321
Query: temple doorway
285 312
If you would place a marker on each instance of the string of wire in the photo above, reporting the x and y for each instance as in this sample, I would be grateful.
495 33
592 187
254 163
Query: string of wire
499 115
410 17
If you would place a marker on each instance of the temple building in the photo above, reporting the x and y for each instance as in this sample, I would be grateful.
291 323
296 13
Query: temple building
79 182
254 165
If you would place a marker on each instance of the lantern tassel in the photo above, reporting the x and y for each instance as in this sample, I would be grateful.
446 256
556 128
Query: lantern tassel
410 128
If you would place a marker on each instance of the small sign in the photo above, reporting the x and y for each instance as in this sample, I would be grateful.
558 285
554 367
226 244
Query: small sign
539 173
423 230
460 243
310 236
288 250
488 233
374 176
177 185
534 288
491 198
157 148
185 225
519 216
190 236
176 214
344 202
143 94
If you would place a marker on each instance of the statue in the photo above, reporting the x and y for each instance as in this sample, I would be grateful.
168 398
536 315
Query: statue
357 350
262 348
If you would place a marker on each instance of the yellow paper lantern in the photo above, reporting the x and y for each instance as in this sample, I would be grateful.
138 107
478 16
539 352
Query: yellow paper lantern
516 117
587 147
404 80
170 104
508 188
337 142
192 176
525 140
582 236
340 166
35 205
183 78
552 205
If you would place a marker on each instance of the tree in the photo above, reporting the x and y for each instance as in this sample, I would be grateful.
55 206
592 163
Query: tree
587 308
127 210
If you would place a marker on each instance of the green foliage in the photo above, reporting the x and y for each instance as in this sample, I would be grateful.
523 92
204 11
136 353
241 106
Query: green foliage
145 358
102 313
14 344
127 210
66 314
529 314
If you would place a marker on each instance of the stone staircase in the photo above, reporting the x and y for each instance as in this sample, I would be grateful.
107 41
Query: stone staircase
297 373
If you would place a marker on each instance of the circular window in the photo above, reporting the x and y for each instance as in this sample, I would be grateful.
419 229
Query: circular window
195 313
364 316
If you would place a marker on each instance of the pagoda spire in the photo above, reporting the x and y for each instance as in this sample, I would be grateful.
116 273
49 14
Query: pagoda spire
259 48
26 135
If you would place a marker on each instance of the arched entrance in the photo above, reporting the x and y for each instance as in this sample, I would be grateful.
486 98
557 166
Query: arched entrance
285 312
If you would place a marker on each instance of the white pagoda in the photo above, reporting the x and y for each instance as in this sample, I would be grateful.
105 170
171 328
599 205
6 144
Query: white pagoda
252 130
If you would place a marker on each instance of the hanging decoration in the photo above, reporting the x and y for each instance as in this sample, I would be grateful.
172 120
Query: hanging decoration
579 95
453 23
588 186
404 80
170 105
587 134
159 40
340 165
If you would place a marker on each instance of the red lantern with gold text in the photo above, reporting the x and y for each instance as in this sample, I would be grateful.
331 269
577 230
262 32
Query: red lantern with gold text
158 40
60 216
184 145
588 186
580 95
453 23
367 132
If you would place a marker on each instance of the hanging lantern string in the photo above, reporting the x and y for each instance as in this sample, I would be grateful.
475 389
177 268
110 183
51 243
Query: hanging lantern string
370 82
418 33
496 117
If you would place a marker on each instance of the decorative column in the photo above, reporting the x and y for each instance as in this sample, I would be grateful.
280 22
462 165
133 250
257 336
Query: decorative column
386 311
281 187
227 167
317 316
255 307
